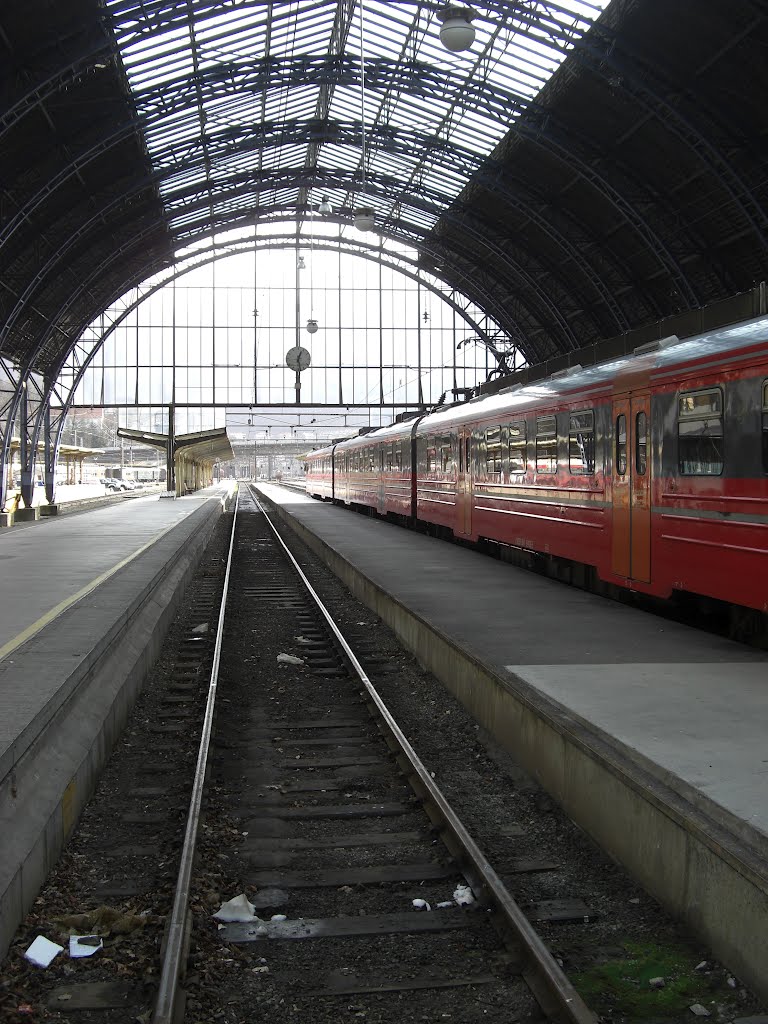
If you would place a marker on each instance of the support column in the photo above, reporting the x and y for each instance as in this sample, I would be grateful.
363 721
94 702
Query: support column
5 458
26 456
6 469
170 469
49 457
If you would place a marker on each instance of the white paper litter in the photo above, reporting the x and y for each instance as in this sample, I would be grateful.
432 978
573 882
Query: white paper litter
278 917
288 659
463 895
202 628
303 640
42 951
236 909
445 903
84 945
421 905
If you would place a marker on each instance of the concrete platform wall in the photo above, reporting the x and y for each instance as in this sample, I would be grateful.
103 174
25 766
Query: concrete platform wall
706 869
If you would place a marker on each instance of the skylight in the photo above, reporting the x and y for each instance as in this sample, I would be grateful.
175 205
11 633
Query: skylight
259 105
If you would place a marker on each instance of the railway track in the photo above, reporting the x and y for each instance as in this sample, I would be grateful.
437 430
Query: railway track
367 898
310 807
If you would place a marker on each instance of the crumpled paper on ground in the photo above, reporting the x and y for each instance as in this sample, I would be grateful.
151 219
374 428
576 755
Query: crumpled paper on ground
288 659
236 909
84 945
463 895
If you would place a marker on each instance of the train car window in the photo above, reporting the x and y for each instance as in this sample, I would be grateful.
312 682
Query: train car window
641 443
546 444
765 426
398 457
431 455
517 442
493 451
371 460
581 442
621 445
700 433
446 455
388 458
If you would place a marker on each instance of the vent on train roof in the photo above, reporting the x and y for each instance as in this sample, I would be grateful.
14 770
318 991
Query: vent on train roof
656 346
566 371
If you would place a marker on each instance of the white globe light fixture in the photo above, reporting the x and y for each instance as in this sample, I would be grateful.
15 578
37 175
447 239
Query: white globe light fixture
456 31
311 326
325 207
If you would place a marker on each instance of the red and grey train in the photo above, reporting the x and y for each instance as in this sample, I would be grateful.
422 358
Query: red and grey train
649 472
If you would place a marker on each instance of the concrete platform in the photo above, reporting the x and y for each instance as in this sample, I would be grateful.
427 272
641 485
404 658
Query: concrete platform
85 603
651 735
48 567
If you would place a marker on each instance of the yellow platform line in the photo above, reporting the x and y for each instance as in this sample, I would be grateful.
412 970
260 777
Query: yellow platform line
54 613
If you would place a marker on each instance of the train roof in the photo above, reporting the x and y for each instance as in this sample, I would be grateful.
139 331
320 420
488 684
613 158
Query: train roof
391 432
658 359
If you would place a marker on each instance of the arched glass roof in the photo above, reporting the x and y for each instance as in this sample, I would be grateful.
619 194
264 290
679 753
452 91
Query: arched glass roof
577 174
254 109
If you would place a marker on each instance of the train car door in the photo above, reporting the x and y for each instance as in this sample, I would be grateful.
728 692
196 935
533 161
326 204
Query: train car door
382 467
464 482
631 485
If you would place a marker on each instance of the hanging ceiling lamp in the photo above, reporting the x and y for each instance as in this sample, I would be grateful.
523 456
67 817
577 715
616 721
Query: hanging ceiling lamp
456 31
365 215
325 207
365 218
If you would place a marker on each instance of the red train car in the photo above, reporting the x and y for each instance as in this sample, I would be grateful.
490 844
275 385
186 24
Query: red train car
650 471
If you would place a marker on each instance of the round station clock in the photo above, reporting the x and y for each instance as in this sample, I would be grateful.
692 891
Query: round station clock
297 358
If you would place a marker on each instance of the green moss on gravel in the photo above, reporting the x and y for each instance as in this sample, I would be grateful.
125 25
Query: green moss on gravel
620 987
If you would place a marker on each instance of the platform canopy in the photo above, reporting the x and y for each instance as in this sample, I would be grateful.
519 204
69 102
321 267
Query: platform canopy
577 172
202 445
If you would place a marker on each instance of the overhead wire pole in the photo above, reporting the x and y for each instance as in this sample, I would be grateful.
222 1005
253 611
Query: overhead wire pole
297 382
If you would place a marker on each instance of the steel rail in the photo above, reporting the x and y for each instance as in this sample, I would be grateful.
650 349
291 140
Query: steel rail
552 989
176 935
